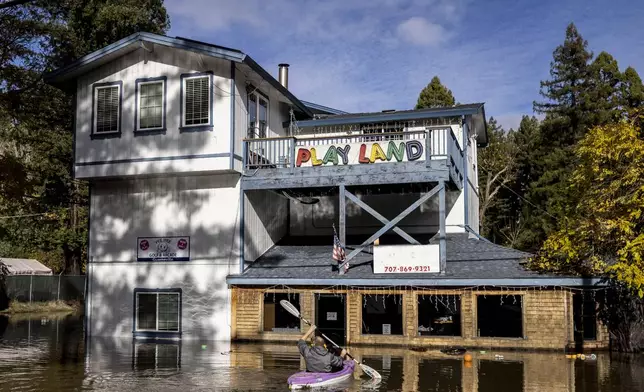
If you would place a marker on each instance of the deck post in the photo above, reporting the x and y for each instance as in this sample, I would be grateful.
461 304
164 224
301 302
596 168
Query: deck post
441 221
292 157
244 155
343 215
428 144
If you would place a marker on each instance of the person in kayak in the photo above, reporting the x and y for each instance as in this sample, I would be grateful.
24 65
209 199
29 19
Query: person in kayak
318 359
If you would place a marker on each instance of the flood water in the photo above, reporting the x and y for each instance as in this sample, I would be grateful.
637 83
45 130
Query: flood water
50 354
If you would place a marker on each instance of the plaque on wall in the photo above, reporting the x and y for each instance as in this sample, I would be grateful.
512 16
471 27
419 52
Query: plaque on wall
163 248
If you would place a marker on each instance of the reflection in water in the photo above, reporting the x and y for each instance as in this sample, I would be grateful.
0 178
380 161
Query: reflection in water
47 354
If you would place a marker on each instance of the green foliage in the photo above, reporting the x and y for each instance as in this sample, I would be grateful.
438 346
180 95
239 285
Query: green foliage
435 95
44 209
604 233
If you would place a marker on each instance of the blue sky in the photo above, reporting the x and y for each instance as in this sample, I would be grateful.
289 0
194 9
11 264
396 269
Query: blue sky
371 55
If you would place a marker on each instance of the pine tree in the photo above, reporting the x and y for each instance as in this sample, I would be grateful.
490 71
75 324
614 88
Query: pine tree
565 91
435 95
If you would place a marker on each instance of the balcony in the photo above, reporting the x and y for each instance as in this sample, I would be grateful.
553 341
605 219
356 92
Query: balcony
428 155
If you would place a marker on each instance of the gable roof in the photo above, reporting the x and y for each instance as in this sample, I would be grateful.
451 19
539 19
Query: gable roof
321 109
61 77
25 266
470 262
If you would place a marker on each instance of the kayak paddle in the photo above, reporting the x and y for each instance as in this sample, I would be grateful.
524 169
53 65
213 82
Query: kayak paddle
369 371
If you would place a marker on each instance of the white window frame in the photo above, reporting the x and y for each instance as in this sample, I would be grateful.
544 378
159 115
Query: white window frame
184 100
95 109
259 96
138 329
138 100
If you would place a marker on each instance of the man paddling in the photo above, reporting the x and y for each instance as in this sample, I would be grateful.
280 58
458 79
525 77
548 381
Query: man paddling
318 359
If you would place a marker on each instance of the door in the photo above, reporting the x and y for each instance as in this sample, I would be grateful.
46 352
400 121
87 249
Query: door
330 316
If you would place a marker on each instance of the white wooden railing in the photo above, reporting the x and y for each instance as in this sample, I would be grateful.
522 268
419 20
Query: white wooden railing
279 152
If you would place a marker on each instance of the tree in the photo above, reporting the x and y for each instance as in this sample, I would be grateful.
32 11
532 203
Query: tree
605 232
36 120
435 95
565 91
496 165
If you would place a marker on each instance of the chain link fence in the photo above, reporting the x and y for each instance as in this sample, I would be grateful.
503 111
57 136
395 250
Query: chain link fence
41 288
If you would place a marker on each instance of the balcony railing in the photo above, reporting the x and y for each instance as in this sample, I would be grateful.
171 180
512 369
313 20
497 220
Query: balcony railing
280 152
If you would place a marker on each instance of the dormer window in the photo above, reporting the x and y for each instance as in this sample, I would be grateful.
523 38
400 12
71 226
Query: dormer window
257 115
196 101
107 100
150 104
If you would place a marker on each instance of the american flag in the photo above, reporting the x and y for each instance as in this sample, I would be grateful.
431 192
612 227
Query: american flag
338 248
338 251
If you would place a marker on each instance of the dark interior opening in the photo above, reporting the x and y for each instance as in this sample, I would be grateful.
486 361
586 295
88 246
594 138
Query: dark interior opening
382 314
276 318
495 376
500 316
439 315
585 316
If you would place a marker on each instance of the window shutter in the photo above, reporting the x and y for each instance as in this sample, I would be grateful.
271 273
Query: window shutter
107 109
197 96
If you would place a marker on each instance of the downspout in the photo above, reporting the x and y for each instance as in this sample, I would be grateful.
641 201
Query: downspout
232 115
464 141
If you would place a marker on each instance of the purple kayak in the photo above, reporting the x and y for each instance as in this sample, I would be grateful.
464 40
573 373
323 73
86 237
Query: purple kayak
312 380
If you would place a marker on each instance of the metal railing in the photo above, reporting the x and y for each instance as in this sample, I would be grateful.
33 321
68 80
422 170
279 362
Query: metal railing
279 152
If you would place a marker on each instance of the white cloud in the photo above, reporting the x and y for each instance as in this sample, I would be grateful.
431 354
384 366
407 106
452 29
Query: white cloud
419 31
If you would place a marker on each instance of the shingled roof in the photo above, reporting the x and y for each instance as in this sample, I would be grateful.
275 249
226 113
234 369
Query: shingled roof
468 260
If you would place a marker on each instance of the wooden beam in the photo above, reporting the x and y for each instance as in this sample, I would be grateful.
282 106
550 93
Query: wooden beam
441 222
395 221
331 176
381 218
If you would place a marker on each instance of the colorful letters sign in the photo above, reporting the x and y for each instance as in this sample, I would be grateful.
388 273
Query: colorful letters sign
360 153
163 248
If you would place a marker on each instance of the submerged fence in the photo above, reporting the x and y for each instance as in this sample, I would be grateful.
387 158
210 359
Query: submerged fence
39 288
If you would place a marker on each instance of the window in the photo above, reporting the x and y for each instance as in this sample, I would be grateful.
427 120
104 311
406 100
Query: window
585 316
157 310
150 104
196 101
382 314
107 108
257 115
276 318
439 315
500 316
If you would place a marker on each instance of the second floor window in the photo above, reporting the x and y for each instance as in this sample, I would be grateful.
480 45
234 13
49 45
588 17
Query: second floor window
196 101
107 108
151 104
257 116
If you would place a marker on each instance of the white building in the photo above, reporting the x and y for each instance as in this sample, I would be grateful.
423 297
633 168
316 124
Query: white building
160 134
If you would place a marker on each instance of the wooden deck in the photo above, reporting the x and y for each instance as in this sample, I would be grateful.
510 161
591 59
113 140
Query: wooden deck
426 156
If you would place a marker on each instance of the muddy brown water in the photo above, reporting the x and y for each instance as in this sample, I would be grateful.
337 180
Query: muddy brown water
51 354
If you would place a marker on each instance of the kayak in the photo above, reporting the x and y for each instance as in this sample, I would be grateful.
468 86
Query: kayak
312 380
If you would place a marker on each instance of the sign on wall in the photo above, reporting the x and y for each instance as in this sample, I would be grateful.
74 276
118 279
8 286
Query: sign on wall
360 153
163 248
332 316
397 259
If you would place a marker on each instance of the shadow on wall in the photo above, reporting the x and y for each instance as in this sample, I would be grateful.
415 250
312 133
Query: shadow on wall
130 144
204 207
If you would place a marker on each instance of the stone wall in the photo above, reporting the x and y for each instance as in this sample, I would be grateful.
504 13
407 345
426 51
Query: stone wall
547 319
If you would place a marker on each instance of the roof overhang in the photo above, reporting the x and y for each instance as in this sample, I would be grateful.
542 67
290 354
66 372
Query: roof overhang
473 114
240 280
63 76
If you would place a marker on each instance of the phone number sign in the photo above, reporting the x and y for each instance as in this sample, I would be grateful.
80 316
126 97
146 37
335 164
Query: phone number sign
163 248
401 259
